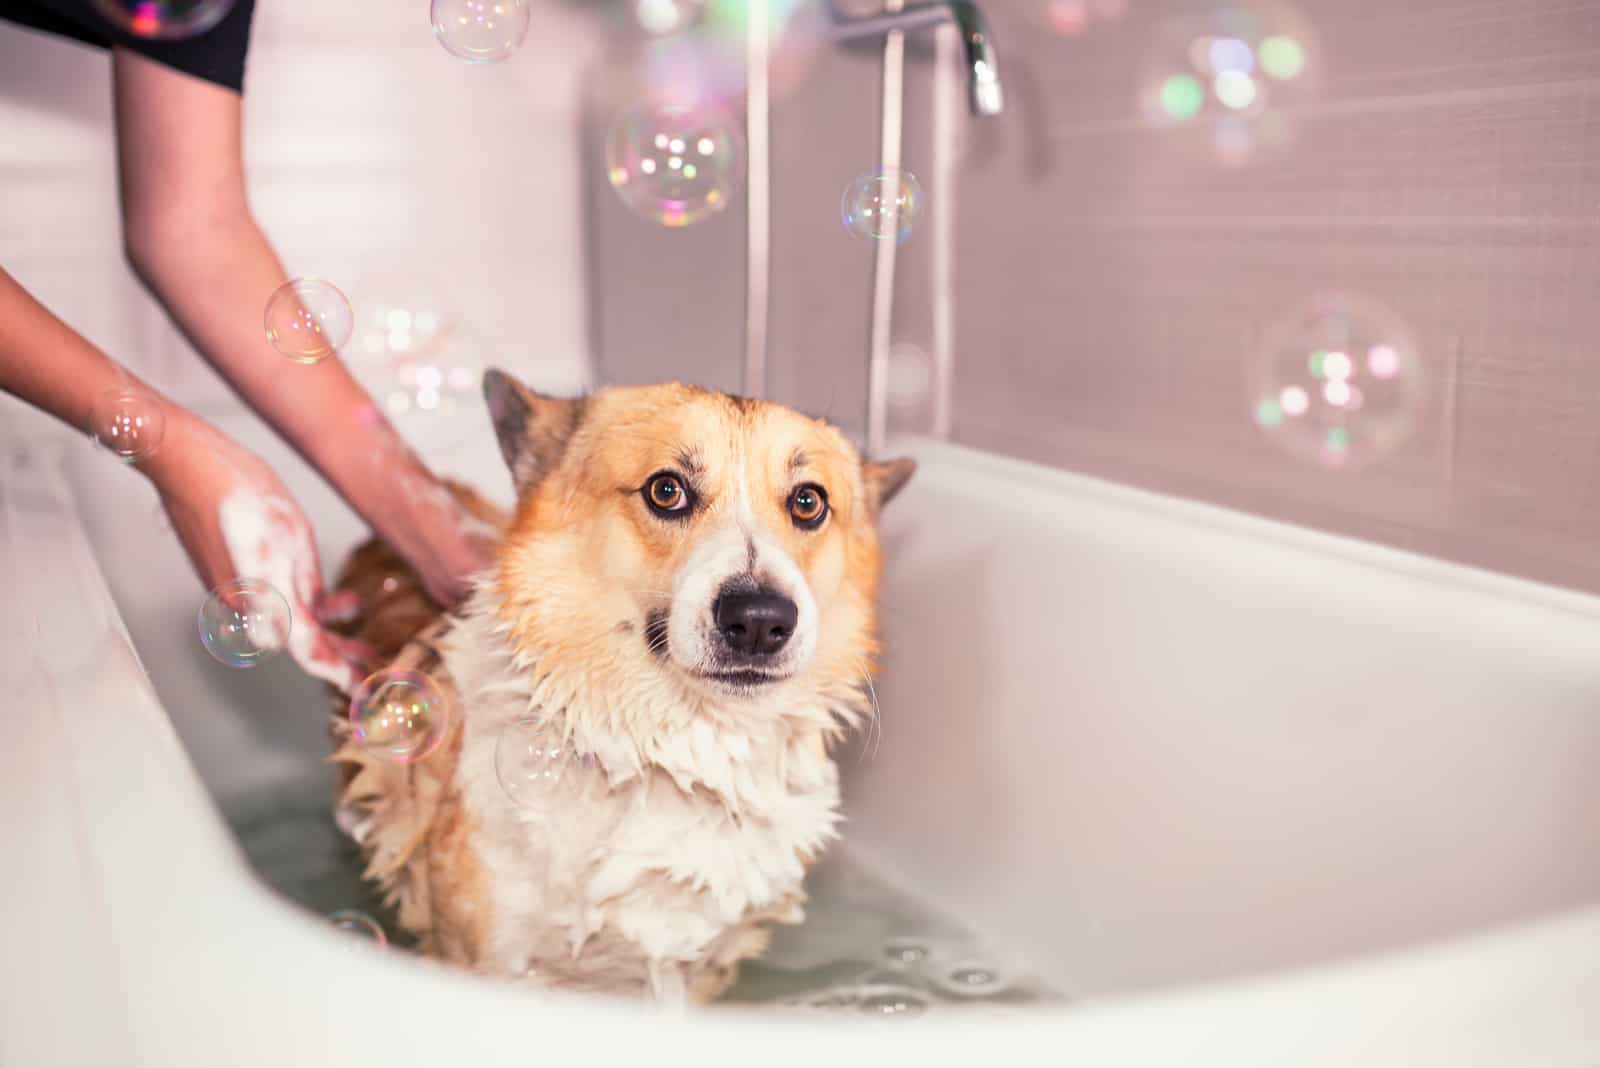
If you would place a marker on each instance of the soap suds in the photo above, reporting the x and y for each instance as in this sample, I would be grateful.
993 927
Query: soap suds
267 540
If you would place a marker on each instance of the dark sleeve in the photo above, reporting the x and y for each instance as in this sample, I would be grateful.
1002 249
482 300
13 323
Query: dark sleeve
217 55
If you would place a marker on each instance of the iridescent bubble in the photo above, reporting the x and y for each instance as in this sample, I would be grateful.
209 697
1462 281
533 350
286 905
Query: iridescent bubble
530 758
309 320
128 423
359 924
1282 57
1182 97
481 31
245 622
910 374
164 20
674 163
1338 382
1235 89
882 205
1231 76
399 715
1229 54
668 16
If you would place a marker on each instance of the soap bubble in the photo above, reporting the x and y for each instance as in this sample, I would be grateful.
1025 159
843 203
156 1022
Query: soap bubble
910 374
668 16
1338 382
882 204
530 758
244 622
359 924
674 163
481 31
1222 78
164 20
399 715
309 320
128 423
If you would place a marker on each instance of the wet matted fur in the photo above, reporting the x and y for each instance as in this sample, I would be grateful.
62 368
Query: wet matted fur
691 800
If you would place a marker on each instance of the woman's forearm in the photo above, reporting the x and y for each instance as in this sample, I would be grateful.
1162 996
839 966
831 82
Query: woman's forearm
49 365
216 290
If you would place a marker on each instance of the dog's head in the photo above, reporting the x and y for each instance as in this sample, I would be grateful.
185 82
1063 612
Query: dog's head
689 542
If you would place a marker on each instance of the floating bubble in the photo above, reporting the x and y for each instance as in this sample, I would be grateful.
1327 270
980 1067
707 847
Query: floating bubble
1338 382
1227 76
882 204
668 16
1283 58
530 759
128 423
164 20
481 31
309 320
1235 88
674 163
245 622
359 924
399 715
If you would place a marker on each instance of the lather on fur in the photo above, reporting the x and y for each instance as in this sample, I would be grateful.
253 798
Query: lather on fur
695 785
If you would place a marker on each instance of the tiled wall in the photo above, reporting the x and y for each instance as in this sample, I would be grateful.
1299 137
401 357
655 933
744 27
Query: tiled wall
1113 280
374 160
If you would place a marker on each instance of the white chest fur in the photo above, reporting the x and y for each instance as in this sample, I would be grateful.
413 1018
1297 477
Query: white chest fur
671 827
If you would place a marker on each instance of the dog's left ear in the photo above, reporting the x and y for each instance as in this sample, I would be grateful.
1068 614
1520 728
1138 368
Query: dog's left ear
883 479
533 429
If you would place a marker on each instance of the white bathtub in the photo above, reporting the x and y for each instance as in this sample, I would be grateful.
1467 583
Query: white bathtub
1247 794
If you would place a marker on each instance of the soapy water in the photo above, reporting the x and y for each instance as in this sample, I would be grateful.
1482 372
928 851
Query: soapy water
127 423
164 20
245 622
399 715
866 949
308 320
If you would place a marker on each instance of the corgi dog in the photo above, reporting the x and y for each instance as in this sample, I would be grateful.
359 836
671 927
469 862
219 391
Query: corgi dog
681 615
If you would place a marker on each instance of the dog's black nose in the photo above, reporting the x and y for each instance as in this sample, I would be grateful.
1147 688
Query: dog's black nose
756 624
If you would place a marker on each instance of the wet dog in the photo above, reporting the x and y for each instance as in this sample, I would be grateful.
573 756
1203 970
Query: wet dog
645 685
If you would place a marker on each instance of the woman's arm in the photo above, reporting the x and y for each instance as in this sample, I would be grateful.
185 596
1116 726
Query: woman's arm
202 477
193 241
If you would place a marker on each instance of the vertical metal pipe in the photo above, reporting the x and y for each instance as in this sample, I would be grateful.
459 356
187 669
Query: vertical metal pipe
758 198
894 69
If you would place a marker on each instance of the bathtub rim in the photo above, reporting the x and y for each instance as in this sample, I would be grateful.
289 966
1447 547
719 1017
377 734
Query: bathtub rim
1548 964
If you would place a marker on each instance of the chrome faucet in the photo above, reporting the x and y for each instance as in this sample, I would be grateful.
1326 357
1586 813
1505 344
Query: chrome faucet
984 94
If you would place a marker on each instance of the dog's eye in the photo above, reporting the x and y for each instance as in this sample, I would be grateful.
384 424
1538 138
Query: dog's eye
808 505
666 494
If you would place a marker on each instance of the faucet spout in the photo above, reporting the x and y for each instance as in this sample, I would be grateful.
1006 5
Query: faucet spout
984 93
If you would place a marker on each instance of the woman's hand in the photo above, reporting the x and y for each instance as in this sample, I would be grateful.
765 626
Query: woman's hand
237 520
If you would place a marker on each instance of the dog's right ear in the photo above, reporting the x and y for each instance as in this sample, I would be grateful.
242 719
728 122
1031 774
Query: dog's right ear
533 429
